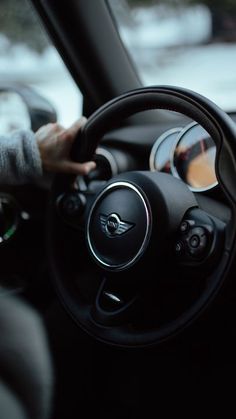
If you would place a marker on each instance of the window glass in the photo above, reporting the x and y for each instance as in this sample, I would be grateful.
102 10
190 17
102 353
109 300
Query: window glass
27 56
189 43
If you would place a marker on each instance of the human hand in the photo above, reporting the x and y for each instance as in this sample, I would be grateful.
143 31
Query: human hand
54 143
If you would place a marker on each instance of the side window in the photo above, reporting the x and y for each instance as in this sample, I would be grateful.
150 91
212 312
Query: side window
27 56
189 43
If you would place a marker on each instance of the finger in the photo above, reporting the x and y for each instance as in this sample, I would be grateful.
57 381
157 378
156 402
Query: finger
70 167
47 129
53 127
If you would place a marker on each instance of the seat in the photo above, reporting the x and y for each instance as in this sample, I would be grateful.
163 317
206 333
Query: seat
26 373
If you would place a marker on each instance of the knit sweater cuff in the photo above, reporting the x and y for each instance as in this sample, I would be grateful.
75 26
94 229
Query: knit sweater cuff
20 160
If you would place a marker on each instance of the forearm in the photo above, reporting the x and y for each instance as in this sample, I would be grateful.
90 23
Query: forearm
20 160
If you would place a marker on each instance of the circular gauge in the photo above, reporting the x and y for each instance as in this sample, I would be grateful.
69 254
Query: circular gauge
160 157
193 158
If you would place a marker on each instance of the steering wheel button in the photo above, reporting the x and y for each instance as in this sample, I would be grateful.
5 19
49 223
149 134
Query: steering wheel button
184 227
179 248
71 204
194 241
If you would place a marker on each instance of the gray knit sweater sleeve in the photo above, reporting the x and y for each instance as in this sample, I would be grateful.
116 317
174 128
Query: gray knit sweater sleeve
20 160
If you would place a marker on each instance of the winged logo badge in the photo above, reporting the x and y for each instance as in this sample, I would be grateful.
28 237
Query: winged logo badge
113 226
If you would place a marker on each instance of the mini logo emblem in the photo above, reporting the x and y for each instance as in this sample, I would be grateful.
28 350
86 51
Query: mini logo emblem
113 226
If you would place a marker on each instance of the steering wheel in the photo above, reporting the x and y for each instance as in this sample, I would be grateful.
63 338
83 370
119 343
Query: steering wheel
138 260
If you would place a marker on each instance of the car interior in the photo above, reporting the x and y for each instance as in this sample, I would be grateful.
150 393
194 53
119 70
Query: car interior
120 284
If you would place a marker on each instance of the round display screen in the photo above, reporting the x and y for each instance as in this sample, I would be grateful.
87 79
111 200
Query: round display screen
160 157
193 158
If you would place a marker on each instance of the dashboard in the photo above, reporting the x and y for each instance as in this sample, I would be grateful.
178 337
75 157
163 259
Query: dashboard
182 149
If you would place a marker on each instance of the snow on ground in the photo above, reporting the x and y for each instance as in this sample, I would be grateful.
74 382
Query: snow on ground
172 47
63 93
207 69
162 26
46 73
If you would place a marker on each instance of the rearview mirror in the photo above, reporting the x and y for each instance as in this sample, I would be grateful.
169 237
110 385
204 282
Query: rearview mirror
21 107
14 113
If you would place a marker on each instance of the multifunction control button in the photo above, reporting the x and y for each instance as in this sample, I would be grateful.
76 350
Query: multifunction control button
197 241
193 240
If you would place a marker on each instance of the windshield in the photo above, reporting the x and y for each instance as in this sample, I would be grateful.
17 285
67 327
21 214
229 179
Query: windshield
188 43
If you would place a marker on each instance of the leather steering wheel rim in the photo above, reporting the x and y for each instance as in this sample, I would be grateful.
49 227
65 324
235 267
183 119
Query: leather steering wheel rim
222 129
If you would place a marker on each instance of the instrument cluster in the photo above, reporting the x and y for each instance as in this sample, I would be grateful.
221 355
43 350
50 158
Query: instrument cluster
187 153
